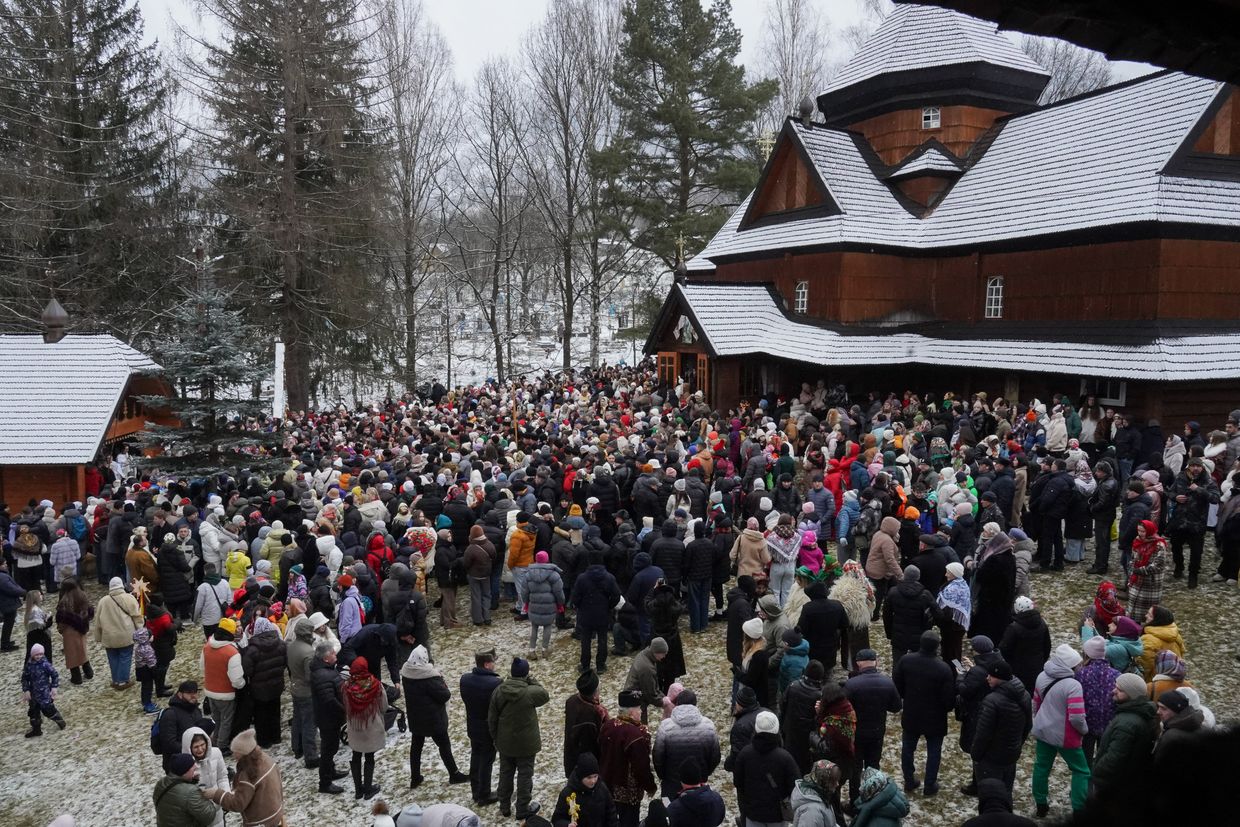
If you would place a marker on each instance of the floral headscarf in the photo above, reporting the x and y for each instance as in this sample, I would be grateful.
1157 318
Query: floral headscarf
1106 605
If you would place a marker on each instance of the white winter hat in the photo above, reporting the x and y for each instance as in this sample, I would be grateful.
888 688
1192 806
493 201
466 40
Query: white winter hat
752 628
956 570
766 722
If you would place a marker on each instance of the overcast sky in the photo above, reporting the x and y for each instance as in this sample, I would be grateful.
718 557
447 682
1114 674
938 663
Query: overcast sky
479 29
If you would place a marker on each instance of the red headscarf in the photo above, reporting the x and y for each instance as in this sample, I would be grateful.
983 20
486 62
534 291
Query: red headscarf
1143 550
361 692
1106 605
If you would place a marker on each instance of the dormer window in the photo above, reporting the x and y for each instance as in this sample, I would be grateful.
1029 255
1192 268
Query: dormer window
929 117
801 305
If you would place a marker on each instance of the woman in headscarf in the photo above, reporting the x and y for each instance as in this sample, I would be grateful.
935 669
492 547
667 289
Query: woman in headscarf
994 587
365 701
1174 453
1106 605
836 732
856 594
956 604
426 695
1170 672
813 796
1149 563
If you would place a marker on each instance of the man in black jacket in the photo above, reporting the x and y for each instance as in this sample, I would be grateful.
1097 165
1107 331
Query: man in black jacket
325 683
377 643
1053 500
824 623
908 611
476 688
668 553
1004 486
1004 721
1102 504
181 714
873 696
697 568
928 687
594 594
1193 493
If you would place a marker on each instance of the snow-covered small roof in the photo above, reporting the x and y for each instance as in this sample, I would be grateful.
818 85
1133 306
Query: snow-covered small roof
919 37
57 400
930 159
764 328
1092 162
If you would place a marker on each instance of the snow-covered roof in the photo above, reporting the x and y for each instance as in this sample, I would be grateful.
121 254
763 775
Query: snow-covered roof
57 400
918 37
1092 162
764 328
932 159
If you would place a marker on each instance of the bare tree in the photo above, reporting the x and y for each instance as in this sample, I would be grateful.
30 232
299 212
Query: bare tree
569 59
795 47
1073 70
872 13
414 63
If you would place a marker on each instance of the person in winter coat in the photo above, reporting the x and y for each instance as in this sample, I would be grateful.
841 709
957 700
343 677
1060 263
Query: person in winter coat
40 682
873 696
667 552
1180 722
698 567
425 691
544 595
749 553
1122 650
512 720
521 548
643 675
73 616
212 772
476 687
1159 634
263 662
300 657
880 802
176 579
1058 727
686 733
811 801
764 774
783 545
882 565
909 610
624 758
584 717
1026 643
365 701
664 609
210 600
1193 493
585 801
479 559
971 689
1126 746
697 805
329 715
1097 679
257 793
798 716
1003 722
824 625
928 687
994 586
1149 566
595 595
116 616
178 802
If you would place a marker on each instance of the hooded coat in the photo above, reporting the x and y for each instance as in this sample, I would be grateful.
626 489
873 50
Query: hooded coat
212 772
1059 705
1026 644
883 562
686 733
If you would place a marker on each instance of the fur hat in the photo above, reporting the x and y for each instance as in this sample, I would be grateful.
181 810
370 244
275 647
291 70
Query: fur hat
244 743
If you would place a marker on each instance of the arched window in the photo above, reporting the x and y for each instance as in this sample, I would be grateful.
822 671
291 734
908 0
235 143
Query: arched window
801 305
930 117
994 297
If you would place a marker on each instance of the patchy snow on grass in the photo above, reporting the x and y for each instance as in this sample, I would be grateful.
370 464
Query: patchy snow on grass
102 771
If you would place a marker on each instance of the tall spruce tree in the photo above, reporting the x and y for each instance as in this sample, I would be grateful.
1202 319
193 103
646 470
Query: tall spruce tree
220 421
686 114
294 156
81 162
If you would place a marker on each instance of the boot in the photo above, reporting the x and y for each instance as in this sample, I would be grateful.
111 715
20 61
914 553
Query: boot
369 790
59 721
75 675
357 780
36 728
415 775
455 776
1192 581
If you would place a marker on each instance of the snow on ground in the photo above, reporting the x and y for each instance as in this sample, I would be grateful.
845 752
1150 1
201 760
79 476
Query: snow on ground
101 768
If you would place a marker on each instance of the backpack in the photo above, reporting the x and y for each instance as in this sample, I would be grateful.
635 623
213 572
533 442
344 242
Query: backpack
155 732
77 527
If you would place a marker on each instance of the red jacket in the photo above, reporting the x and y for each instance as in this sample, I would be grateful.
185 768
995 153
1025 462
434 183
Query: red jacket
376 552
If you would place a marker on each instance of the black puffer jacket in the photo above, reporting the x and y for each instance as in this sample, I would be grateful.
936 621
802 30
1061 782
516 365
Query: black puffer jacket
928 686
908 611
320 596
624 548
738 611
607 492
764 775
594 595
698 493
1004 721
971 689
325 683
668 553
429 697
173 568
1026 646
798 717
741 733
263 661
699 560
823 623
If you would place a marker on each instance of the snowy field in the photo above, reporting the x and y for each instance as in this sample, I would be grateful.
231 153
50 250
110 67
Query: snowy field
101 769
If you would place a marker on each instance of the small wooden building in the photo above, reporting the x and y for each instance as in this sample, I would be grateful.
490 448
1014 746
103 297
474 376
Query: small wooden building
935 228
62 404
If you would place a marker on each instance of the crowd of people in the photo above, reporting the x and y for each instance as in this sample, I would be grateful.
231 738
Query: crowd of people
603 506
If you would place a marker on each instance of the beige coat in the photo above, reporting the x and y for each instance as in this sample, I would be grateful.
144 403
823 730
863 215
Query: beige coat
749 552
116 617
257 793
884 560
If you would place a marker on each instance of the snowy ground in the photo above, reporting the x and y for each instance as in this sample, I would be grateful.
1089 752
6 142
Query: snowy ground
101 770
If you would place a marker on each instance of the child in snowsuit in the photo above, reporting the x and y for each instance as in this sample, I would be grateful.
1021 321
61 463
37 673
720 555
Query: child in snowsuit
144 662
39 683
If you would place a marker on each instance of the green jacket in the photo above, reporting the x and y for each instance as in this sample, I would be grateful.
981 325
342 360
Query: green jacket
178 803
1127 745
513 717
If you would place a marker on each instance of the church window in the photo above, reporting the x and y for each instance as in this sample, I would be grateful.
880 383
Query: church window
802 297
994 297
930 117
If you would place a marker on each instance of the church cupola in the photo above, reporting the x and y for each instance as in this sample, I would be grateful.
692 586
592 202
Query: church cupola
930 73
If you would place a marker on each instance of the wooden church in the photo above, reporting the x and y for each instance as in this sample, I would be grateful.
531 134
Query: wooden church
927 225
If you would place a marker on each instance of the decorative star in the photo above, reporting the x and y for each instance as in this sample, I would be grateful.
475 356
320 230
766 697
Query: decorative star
141 588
